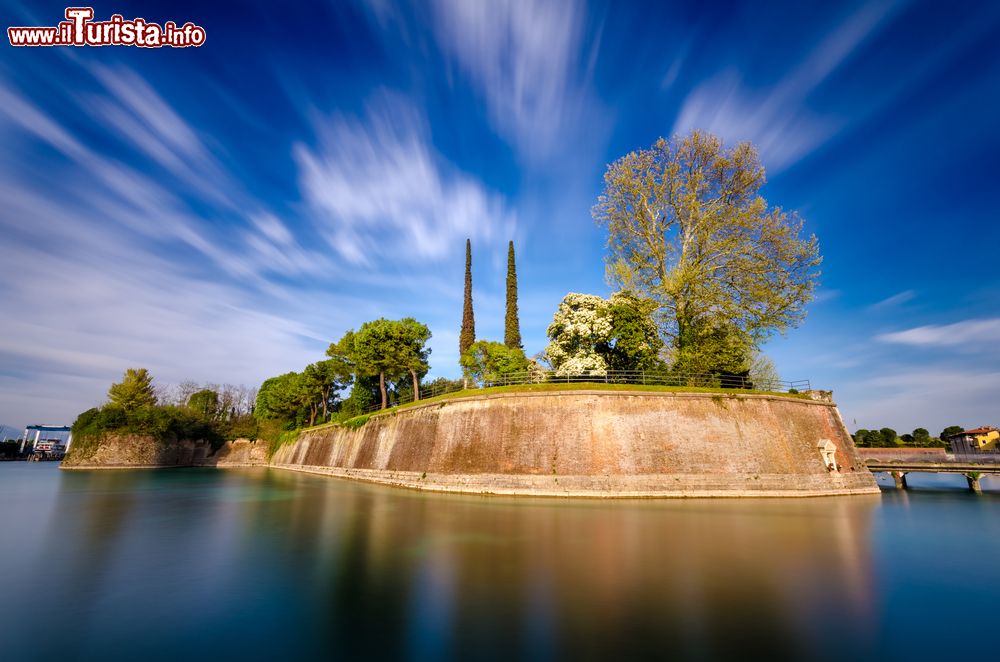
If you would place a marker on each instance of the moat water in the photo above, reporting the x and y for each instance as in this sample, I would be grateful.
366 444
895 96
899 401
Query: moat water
253 565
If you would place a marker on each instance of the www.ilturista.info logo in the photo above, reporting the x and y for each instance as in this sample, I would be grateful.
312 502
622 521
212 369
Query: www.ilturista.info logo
79 29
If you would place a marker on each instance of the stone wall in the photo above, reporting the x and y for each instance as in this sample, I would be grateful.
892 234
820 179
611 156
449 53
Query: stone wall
904 454
595 443
239 453
117 451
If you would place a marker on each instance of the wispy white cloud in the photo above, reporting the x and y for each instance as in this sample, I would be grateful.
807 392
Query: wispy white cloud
114 269
523 56
932 398
379 192
973 334
894 300
825 294
777 119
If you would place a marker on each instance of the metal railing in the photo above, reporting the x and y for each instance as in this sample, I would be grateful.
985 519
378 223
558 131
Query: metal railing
635 377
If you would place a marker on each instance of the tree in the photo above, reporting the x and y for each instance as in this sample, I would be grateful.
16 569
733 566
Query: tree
320 383
488 361
888 436
415 336
951 430
591 335
468 334
578 326
364 395
205 403
688 229
921 437
763 372
280 397
634 342
861 437
512 325
382 347
134 391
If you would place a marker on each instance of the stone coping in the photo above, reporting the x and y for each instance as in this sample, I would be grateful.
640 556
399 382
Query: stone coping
573 392
596 487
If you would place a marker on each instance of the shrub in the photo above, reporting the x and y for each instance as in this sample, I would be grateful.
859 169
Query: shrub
356 422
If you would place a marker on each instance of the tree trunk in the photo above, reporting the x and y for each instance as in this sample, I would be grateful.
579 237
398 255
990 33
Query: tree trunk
326 403
416 385
381 386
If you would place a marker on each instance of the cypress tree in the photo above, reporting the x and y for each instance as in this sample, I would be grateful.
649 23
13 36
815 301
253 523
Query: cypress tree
512 326
468 335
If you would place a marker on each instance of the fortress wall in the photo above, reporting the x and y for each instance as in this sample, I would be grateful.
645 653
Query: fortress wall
595 443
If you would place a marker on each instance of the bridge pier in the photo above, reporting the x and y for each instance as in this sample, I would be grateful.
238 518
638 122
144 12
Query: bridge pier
973 479
900 478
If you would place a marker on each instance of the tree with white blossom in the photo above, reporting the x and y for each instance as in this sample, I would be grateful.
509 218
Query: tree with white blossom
590 335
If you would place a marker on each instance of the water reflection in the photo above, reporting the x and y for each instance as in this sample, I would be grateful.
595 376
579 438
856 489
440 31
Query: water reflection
190 563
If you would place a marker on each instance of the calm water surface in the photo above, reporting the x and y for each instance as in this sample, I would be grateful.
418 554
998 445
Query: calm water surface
196 564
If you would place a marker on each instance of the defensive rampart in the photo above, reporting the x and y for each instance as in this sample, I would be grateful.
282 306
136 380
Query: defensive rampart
596 444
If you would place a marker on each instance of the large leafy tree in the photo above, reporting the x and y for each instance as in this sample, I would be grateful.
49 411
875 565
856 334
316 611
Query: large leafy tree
280 397
634 343
888 436
134 391
488 361
688 229
512 325
380 348
414 337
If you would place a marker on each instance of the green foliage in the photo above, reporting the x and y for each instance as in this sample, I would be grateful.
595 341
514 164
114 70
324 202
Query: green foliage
364 395
280 397
389 348
442 385
276 441
921 437
688 229
888 437
356 422
134 391
468 333
512 325
634 342
860 437
205 403
488 361
166 424
414 337
951 430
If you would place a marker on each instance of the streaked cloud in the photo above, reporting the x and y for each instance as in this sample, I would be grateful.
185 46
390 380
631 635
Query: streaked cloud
895 300
968 334
524 59
379 192
777 118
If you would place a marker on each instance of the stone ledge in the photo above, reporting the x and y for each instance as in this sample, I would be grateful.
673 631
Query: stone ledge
603 487
604 392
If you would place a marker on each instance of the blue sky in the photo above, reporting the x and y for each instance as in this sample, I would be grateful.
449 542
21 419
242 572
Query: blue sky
222 213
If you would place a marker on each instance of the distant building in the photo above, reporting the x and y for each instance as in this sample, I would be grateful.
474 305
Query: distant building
976 440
